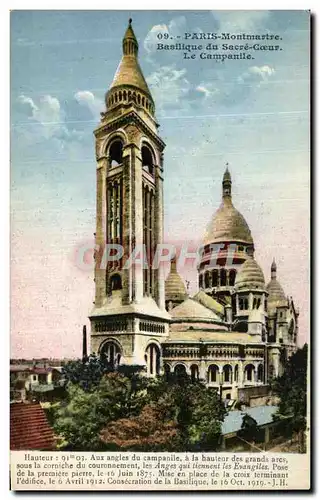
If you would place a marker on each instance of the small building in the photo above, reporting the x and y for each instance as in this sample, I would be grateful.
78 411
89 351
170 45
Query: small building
25 379
270 430
29 428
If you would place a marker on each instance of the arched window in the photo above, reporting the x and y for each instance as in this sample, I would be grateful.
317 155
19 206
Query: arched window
194 372
124 95
115 282
139 99
207 280
232 277
120 96
260 373
249 373
111 352
215 276
115 153
147 160
223 277
213 373
200 280
227 373
236 373
180 370
152 358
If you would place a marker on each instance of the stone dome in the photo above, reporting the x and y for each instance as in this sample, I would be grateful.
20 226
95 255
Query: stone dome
250 276
129 73
274 289
227 224
175 289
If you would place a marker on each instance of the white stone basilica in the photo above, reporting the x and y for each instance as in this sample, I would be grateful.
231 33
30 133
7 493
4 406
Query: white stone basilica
236 332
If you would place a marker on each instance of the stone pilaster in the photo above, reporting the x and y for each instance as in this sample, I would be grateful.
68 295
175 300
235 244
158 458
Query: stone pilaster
101 224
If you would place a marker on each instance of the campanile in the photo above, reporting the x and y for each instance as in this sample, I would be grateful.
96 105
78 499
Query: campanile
129 321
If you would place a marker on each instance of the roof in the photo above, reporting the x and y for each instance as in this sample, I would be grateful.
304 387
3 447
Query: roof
250 276
174 286
275 291
192 309
212 336
29 428
129 71
112 306
233 420
31 369
228 224
207 301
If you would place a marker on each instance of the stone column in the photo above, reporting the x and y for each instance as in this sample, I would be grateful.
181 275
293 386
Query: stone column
250 300
127 213
137 202
101 225
158 273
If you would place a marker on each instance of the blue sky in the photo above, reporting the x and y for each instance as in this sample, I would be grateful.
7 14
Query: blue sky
253 114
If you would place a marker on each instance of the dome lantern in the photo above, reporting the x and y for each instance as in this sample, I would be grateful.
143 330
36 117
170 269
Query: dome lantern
228 224
129 84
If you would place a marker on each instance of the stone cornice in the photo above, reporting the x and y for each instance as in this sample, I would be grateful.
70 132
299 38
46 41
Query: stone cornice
129 118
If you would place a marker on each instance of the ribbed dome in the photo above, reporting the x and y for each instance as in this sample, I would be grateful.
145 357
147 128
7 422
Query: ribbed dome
250 276
129 72
275 291
227 223
274 288
175 289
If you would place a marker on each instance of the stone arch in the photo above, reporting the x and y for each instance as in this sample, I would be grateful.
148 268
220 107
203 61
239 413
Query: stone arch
180 369
232 277
223 277
111 350
115 282
105 145
215 278
153 358
207 279
194 370
260 373
249 372
213 373
227 374
236 373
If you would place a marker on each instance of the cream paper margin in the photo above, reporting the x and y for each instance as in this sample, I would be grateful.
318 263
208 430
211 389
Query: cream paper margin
134 474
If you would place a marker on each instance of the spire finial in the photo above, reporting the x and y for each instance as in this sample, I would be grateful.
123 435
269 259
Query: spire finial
130 43
226 183
273 269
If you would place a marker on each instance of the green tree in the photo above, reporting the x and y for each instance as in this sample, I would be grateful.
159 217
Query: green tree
249 429
79 420
196 410
291 387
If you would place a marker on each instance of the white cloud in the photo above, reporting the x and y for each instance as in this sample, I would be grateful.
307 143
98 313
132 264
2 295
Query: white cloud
161 33
168 85
244 21
256 73
86 98
48 114
207 89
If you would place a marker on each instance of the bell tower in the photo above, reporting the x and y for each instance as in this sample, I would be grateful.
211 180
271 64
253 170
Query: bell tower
129 319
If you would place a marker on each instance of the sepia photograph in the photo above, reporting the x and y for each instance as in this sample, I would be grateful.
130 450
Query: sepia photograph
160 250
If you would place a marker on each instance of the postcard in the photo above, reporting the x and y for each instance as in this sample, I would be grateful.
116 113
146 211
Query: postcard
160 212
